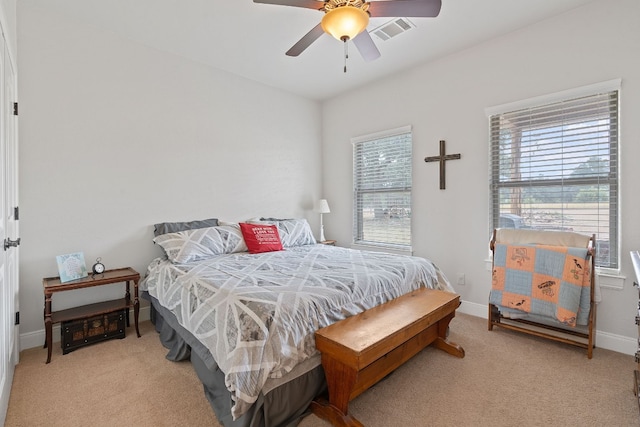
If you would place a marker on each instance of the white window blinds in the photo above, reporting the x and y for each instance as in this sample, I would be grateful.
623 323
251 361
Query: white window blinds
555 167
382 189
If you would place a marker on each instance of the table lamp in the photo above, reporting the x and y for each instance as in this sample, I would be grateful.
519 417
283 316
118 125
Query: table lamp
323 208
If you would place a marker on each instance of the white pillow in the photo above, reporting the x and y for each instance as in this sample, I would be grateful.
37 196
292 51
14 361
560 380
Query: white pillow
202 243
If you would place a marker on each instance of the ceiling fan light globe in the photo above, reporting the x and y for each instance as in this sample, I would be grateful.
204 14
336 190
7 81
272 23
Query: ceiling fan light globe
345 22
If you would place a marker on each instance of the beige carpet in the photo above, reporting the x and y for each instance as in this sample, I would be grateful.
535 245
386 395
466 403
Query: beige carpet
506 379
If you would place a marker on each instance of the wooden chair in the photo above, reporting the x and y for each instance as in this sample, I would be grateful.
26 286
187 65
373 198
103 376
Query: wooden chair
582 335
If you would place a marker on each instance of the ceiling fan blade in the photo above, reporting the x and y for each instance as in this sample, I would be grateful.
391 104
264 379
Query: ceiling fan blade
306 41
366 46
308 4
405 8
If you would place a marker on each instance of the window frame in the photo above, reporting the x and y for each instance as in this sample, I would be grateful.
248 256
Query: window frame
357 214
495 184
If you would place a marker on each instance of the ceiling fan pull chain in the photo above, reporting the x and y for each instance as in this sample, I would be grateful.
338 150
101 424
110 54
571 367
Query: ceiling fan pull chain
346 54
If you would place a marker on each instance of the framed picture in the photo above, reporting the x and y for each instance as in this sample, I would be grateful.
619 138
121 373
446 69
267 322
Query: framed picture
71 266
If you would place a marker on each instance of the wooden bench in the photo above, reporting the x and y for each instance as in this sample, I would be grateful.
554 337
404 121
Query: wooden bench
359 351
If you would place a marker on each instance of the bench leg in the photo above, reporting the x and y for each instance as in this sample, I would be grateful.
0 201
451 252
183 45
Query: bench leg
328 412
442 343
450 347
340 380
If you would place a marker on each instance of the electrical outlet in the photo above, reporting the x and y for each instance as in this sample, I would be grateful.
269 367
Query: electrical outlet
461 279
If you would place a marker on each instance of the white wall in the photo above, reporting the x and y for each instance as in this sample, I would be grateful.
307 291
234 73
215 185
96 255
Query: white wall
8 19
446 99
115 137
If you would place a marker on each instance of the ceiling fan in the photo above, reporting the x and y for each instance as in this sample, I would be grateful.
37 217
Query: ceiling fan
347 19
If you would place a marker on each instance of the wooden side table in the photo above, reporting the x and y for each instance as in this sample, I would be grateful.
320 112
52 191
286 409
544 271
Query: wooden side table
52 285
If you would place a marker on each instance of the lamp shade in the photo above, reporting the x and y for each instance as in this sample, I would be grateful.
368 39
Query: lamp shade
345 22
323 206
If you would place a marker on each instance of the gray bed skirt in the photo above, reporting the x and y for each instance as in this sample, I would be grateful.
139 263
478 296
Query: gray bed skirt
284 403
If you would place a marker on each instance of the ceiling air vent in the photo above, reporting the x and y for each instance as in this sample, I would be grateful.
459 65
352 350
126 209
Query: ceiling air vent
393 28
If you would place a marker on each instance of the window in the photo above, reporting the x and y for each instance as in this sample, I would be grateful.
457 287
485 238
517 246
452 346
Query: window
382 189
554 166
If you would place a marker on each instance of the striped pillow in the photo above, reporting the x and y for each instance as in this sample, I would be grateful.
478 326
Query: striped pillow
194 245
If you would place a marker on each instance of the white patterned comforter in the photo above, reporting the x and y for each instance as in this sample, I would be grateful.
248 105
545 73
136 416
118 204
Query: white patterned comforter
257 314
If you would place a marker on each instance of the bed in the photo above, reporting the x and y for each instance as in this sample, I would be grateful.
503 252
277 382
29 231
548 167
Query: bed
247 320
543 284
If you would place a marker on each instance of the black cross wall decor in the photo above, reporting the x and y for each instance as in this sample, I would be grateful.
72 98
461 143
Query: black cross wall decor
442 158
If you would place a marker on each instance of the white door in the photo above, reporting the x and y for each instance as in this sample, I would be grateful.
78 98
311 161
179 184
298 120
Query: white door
9 345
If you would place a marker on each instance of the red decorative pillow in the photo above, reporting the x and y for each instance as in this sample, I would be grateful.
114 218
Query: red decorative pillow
261 237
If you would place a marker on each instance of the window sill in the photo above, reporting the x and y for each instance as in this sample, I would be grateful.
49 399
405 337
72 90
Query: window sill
382 248
610 280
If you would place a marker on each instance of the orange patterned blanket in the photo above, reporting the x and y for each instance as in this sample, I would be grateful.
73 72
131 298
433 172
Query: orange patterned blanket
551 281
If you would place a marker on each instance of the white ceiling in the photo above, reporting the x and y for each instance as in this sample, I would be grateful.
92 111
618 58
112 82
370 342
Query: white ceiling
251 39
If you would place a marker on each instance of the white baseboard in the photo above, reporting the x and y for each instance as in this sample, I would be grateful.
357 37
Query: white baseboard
37 338
606 340
473 309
